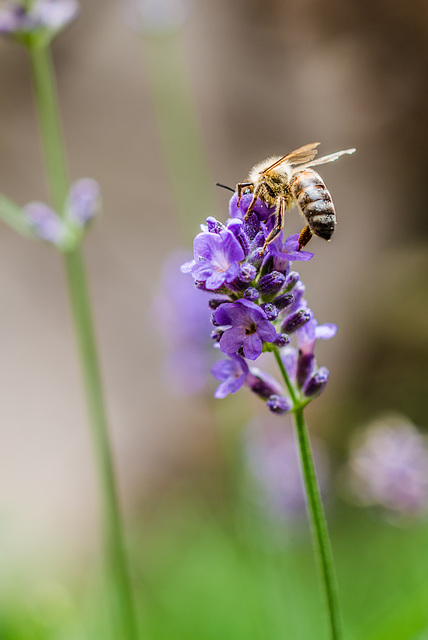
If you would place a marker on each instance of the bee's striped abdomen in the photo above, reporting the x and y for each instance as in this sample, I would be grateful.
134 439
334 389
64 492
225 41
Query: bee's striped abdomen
315 202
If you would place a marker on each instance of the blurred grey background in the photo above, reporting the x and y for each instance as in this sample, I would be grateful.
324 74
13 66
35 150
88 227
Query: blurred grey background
265 77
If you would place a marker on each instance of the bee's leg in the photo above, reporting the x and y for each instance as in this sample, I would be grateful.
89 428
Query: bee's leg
239 188
279 222
256 192
304 237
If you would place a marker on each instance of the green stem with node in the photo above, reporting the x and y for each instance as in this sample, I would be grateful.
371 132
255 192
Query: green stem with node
57 179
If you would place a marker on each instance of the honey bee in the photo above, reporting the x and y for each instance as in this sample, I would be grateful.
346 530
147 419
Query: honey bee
278 182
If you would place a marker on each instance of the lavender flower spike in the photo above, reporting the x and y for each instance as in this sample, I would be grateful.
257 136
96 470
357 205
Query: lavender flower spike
259 303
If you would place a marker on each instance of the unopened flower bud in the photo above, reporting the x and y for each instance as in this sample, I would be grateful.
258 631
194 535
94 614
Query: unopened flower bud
281 340
251 294
213 320
291 280
216 335
247 272
258 242
214 303
236 226
252 226
214 226
271 283
283 301
296 320
278 404
256 258
316 383
305 368
262 383
270 310
298 291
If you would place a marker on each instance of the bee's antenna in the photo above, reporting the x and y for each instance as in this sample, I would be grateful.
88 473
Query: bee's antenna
224 186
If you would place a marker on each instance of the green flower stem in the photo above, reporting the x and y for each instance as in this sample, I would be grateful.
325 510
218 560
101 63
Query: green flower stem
179 129
56 173
315 508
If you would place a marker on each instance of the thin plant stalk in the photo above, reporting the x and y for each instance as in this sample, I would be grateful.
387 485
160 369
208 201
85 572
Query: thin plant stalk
315 509
56 174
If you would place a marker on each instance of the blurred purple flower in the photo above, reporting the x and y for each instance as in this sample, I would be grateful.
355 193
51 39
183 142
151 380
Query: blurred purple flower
46 224
388 467
65 231
155 17
83 201
182 320
19 17
274 465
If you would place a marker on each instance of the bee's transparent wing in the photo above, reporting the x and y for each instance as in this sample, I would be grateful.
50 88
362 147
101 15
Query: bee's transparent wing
330 158
298 156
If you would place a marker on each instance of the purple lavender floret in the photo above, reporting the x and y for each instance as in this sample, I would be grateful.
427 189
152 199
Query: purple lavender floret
216 259
47 17
249 328
285 252
182 317
232 373
261 303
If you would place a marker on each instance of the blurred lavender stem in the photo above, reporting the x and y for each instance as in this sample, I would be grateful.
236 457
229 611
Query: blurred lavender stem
315 507
56 174
178 125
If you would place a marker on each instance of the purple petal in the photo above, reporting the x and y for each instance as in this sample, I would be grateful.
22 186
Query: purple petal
232 373
231 385
252 346
291 249
232 340
289 356
187 266
238 312
214 281
326 331
55 14
266 331
223 369
306 336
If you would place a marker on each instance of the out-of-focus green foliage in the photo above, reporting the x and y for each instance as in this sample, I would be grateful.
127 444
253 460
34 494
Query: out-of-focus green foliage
205 573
